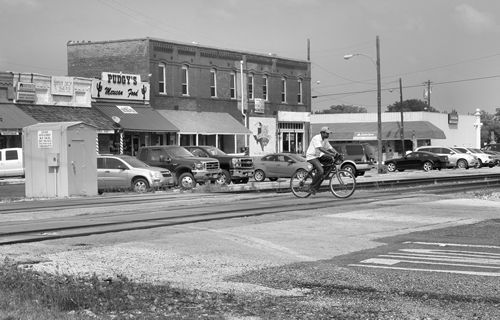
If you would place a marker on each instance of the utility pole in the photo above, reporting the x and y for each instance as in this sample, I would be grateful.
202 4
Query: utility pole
402 120
429 94
379 111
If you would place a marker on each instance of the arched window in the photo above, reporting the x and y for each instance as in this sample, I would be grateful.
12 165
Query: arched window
283 90
232 85
265 94
250 86
299 93
162 76
213 83
185 80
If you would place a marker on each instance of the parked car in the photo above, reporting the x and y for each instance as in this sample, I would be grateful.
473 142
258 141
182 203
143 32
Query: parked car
236 169
356 157
492 147
186 167
122 172
495 155
483 159
279 165
11 162
420 160
457 159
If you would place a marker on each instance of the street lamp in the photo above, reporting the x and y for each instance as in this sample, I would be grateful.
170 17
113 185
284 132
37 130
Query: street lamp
379 102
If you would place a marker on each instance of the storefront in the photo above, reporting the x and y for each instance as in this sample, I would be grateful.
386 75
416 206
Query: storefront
293 131
217 129
137 125
12 122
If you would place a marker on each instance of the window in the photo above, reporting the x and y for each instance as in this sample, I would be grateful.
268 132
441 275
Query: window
185 80
283 90
162 85
299 93
264 88
232 85
112 163
250 87
11 155
213 83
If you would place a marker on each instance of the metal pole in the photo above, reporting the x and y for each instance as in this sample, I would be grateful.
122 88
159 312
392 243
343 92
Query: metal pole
379 113
402 120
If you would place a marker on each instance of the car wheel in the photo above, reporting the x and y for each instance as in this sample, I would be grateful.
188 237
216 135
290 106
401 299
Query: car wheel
350 168
186 181
259 175
140 185
427 166
391 167
224 178
479 163
462 164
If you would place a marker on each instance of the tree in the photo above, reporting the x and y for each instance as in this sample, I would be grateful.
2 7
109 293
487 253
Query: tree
491 126
343 109
411 105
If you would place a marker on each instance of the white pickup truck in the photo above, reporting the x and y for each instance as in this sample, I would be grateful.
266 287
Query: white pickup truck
11 162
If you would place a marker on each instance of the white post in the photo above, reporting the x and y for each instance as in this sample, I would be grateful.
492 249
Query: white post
478 125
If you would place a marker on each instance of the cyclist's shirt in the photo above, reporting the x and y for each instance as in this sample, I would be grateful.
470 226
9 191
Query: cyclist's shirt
316 143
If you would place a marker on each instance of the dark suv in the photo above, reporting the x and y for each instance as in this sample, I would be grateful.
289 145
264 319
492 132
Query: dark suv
492 147
236 169
186 168
356 158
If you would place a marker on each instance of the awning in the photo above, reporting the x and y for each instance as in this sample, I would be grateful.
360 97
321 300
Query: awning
13 118
390 130
89 116
138 118
208 123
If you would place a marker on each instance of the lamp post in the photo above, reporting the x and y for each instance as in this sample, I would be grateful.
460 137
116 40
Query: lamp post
379 102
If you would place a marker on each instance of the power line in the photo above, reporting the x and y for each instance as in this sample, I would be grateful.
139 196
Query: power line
406 87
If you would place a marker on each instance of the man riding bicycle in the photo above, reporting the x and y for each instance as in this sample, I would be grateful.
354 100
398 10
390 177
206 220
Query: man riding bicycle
320 153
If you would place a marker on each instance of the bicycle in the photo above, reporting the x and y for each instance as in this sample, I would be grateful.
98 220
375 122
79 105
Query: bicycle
342 182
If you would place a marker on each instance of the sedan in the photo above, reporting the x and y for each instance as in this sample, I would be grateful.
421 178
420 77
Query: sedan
279 165
419 160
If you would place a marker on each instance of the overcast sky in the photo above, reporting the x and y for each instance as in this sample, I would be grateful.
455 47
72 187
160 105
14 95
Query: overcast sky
454 44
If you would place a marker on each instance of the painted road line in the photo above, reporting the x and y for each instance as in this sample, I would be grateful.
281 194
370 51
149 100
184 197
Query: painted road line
473 273
441 244
451 261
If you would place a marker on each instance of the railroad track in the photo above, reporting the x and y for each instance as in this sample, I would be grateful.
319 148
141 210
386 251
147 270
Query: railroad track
121 214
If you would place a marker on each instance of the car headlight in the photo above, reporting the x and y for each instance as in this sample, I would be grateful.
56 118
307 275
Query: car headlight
156 174
198 165
236 162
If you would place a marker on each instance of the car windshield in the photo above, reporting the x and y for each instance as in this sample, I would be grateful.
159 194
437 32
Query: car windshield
179 152
457 150
462 150
215 151
474 150
134 162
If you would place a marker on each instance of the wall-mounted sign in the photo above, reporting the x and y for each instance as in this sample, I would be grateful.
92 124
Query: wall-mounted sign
364 136
260 105
25 91
453 118
9 132
127 109
62 86
44 139
120 86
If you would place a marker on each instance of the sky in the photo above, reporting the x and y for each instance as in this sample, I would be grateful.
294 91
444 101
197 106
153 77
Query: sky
453 44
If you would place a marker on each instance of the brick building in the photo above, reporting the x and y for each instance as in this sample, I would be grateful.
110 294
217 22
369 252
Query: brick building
191 83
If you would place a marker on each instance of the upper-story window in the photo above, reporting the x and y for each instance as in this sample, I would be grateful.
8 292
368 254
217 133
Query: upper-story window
250 87
283 90
265 95
185 80
213 83
299 93
232 85
162 84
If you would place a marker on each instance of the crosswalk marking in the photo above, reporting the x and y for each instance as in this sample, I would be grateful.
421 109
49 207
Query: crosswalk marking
480 263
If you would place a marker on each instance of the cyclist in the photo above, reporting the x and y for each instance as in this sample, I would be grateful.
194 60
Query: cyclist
320 153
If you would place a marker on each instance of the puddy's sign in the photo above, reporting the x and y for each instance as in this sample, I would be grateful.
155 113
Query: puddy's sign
120 86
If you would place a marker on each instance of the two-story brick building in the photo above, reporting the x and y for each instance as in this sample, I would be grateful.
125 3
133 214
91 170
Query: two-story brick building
227 98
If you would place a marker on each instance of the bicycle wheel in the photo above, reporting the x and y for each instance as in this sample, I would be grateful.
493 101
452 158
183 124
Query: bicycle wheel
343 184
300 183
